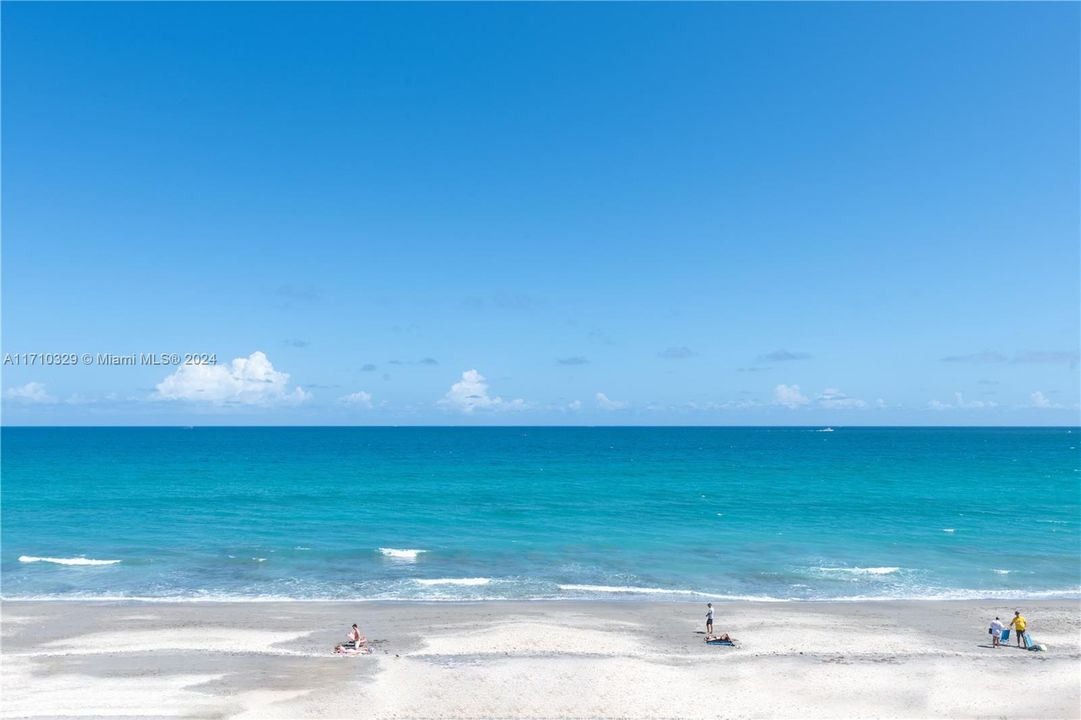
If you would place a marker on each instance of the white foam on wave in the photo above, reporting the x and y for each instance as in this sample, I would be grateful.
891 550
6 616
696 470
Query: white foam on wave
452 581
401 554
66 561
915 594
626 589
177 599
860 570
1002 572
960 594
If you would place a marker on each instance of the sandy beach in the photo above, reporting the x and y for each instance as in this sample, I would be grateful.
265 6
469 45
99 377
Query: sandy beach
536 660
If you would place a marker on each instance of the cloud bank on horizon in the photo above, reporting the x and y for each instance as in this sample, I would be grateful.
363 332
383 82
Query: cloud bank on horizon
251 383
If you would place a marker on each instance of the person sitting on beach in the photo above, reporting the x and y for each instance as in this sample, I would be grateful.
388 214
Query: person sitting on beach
996 632
356 641
1019 624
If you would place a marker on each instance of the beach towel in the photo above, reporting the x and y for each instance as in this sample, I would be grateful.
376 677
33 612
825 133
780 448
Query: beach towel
720 642
353 651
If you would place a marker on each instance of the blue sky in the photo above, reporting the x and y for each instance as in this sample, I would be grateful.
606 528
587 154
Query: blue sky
537 214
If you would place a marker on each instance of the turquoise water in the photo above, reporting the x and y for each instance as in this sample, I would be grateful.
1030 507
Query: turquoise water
472 513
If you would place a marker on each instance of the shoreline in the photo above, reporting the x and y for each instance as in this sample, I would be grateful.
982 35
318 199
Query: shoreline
1050 596
639 658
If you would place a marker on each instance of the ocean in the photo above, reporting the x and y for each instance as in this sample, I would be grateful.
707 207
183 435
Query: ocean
444 514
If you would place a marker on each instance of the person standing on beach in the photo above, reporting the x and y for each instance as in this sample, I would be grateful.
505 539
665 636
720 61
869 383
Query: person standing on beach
709 619
1018 624
996 632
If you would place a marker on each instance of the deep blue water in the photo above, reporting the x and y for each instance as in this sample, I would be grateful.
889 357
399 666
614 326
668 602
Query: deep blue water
540 512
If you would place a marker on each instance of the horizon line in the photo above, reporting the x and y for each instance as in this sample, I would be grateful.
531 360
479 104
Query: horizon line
188 426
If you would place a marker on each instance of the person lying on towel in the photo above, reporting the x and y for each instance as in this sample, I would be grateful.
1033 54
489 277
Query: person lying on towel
721 638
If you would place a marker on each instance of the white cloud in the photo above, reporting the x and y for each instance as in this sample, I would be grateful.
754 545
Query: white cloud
607 404
959 403
742 404
357 399
834 399
245 381
471 394
789 396
1039 400
973 404
574 405
32 393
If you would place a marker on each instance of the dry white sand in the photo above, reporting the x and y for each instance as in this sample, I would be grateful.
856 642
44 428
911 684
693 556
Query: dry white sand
535 660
